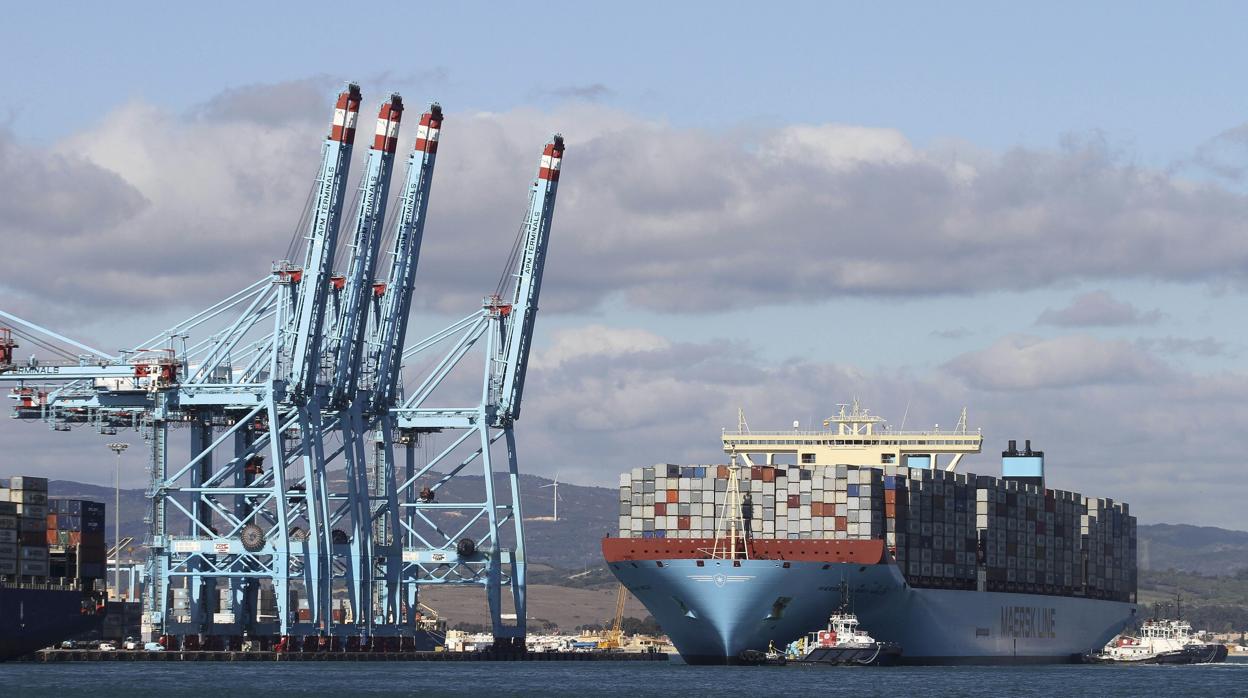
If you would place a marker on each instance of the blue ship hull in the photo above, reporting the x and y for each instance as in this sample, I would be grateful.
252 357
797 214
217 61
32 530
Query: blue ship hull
712 610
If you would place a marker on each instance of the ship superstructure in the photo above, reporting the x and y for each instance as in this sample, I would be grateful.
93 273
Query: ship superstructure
971 568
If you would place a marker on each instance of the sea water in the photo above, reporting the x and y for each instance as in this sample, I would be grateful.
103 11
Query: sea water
632 679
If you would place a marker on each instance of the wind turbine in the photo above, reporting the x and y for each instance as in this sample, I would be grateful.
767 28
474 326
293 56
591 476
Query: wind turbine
555 491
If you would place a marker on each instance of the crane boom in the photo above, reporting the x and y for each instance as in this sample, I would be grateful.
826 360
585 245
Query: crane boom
348 340
409 230
523 313
304 358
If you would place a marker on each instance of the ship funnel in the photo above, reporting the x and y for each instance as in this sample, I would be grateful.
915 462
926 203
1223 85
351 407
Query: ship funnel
1026 467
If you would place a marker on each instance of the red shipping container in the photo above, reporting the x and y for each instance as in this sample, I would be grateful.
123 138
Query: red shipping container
673 496
890 496
769 474
890 509
816 508
51 536
756 473
841 523
795 500
660 508
682 523
52 522
305 614
75 538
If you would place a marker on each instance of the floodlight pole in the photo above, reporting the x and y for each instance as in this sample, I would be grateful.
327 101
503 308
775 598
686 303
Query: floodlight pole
117 448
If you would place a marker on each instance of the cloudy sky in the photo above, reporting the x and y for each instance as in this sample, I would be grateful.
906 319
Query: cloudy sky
1037 215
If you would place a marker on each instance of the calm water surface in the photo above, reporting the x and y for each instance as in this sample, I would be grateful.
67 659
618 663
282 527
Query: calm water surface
634 679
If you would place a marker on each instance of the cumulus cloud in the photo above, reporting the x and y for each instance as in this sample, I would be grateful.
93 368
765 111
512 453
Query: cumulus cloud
952 333
1225 155
1020 361
590 92
666 218
1144 437
598 341
1203 346
1097 309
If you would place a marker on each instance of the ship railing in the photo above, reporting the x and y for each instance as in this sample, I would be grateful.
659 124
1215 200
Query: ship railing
49 583
874 433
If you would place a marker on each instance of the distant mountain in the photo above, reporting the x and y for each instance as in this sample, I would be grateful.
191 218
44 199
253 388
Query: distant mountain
1204 550
586 514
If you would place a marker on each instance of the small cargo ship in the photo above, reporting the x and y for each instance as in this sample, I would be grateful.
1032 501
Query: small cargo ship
955 568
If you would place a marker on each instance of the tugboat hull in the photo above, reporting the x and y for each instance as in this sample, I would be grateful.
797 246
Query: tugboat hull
1192 654
883 654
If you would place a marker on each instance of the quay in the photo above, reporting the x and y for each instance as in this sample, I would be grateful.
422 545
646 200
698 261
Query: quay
76 655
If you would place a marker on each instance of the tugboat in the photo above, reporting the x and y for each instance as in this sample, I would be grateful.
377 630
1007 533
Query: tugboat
843 643
1160 641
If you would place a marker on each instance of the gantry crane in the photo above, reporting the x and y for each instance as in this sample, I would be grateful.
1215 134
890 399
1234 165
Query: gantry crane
294 376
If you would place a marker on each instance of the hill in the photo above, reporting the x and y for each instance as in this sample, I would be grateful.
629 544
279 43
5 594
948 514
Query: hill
1204 550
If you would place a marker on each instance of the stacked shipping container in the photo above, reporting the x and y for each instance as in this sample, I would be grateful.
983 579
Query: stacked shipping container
23 526
76 538
946 530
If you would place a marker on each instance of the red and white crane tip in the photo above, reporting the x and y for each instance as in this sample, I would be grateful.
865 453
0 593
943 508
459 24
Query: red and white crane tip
387 136
346 113
552 159
429 129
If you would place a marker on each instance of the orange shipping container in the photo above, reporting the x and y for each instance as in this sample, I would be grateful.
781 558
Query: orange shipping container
769 474
51 535
673 496
721 472
816 508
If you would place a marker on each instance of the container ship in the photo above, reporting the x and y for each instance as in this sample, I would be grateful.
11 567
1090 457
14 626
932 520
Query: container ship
954 567
51 562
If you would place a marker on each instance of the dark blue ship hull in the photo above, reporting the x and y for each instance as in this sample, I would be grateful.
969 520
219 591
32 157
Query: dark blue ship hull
32 618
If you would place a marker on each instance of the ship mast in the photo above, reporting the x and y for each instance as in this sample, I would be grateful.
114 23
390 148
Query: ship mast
730 541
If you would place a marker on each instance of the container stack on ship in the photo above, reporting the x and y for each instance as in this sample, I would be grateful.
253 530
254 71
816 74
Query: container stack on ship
967 568
43 597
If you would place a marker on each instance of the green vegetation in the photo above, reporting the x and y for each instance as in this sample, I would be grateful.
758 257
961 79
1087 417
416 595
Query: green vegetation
1215 603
